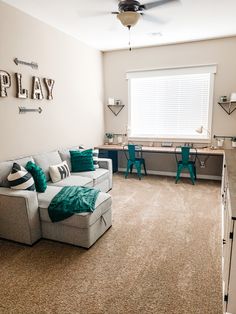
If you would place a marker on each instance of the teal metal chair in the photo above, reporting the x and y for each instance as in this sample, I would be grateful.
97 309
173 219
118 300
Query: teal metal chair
187 162
133 160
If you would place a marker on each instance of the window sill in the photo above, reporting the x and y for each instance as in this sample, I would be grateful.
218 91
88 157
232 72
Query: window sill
173 140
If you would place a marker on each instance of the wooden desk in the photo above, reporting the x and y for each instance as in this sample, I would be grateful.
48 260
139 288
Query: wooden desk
168 150
111 151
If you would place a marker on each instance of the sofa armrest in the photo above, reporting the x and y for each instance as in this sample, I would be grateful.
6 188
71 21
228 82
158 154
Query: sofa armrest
19 215
106 163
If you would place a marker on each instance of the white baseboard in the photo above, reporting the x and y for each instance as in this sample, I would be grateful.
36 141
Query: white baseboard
173 174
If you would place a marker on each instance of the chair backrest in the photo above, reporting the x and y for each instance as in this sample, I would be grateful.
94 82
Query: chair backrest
131 150
185 152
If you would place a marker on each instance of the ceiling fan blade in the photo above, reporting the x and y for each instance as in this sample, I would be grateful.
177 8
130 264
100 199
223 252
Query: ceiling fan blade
154 4
152 19
115 12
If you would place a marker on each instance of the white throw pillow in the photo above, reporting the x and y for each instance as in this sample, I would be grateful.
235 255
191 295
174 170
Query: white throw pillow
59 172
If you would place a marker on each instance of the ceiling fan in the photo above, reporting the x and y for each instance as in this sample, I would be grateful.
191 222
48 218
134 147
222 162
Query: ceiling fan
130 11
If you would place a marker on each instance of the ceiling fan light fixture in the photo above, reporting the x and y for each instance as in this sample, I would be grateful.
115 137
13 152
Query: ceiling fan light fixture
128 18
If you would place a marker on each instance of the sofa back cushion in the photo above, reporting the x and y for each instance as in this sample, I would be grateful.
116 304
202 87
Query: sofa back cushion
65 155
46 160
6 167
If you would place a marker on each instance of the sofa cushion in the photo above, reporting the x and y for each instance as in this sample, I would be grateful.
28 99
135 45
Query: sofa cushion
6 167
97 176
38 175
65 155
47 159
73 180
82 220
20 178
45 198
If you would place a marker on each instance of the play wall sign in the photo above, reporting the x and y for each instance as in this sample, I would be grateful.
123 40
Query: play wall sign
23 93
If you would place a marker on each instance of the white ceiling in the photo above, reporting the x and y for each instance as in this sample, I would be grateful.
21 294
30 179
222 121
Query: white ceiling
91 22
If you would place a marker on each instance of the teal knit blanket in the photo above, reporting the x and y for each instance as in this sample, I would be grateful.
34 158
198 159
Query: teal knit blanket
72 200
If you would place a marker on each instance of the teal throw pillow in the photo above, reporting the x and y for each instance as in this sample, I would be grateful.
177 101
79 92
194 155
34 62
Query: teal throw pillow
38 175
82 160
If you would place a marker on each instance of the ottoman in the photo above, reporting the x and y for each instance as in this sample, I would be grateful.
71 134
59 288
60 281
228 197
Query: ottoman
80 229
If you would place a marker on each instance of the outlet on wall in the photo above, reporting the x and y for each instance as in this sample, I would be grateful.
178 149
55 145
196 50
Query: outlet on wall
202 164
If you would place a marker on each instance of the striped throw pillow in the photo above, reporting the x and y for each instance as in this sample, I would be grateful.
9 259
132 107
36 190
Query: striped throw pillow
59 172
95 158
20 178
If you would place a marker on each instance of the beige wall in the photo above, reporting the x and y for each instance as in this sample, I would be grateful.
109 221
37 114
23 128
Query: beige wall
76 115
219 51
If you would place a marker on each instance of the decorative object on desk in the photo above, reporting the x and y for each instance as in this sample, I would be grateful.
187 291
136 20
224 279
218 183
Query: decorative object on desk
5 82
21 93
110 137
24 110
33 65
201 129
119 139
166 144
187 144
233 141
223 98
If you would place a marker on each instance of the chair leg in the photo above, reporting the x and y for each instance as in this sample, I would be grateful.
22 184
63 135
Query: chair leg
179 169
127 170
195 172
144 166
191 172
131 168
138 167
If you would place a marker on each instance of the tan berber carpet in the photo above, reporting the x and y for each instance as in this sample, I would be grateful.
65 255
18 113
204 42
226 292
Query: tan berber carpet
162 255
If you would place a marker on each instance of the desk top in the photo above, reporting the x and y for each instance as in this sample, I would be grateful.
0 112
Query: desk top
153 149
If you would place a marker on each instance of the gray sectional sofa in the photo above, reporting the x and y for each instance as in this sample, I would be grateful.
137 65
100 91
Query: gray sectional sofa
24 215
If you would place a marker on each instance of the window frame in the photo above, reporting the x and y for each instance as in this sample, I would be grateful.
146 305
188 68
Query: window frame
193 69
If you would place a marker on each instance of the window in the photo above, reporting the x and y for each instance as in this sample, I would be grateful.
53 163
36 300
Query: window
171 103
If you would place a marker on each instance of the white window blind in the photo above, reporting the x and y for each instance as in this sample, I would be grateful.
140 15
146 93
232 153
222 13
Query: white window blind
170 104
